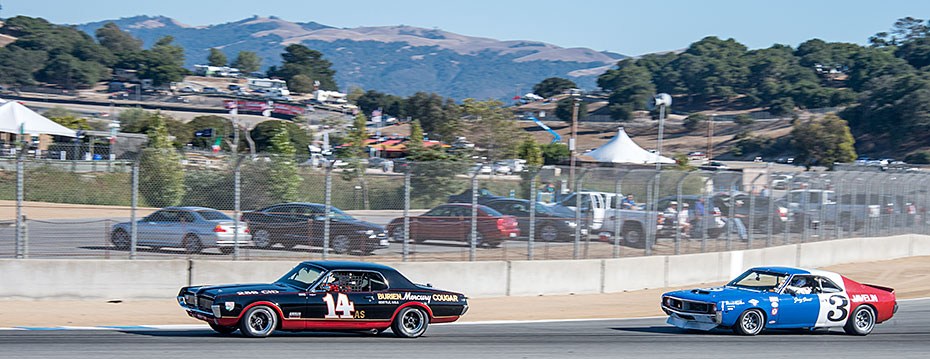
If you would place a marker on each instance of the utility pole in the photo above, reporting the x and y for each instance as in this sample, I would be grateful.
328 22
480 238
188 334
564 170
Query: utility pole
710 137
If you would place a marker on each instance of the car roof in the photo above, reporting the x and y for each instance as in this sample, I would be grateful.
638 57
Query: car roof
191 208
332 265
785 270
299 204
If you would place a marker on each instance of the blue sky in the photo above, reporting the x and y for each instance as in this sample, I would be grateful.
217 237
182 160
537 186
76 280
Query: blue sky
622 26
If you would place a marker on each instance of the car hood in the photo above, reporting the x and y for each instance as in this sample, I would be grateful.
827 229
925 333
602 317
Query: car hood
240 289
713 294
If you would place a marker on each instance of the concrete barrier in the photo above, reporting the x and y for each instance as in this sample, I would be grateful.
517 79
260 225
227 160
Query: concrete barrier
555 277
208 272
85 279
474 279
623 274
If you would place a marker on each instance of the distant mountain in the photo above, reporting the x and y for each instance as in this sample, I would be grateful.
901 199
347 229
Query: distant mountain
398 60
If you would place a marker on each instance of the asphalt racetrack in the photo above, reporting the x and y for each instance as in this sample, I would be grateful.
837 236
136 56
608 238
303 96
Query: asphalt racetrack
905 336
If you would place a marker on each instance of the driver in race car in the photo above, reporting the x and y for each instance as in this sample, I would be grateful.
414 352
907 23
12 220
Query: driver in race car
800 285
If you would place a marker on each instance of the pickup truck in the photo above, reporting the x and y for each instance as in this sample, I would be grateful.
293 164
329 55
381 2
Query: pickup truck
600 209
872 207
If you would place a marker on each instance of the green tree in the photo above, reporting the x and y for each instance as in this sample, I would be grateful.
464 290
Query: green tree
116 40
416 137
823 142
299 60
216 57
67 118
555 153
440 118
433 175
17 65
630 86
161 175
247 61
493 128
564 109
918 158
300 83
283 176
694 121
265 130
553 86
529 151
137 120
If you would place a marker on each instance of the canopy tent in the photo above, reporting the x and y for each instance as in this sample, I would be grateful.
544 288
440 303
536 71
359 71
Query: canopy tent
622 149
16 118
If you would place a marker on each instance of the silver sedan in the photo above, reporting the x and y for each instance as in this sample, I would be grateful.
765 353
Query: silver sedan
191 228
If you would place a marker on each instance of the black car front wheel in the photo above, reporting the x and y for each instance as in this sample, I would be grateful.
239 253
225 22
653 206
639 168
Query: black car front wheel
258 322
411 322
342 244
261 238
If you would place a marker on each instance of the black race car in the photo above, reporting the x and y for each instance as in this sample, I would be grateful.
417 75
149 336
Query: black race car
325 296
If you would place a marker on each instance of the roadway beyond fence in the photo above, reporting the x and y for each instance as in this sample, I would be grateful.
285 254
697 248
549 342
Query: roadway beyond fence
161 279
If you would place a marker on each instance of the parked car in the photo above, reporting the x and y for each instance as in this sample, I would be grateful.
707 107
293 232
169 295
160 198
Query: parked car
782 298
756 210
453 222
553 222
210 90
234 87
188 89
191 228
484 196
290 224
325 295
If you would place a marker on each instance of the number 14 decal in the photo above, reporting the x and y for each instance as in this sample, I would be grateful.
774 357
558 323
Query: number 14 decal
341 304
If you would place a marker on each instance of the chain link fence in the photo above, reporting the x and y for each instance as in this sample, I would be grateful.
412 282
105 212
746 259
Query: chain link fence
161 205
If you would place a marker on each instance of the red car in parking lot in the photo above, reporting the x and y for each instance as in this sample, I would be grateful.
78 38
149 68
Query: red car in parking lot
453 222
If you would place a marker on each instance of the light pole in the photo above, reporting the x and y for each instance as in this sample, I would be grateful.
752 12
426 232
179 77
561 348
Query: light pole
114 129
710 137
661 101
576 98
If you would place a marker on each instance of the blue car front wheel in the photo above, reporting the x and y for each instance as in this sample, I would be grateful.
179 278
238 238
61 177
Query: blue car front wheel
750 322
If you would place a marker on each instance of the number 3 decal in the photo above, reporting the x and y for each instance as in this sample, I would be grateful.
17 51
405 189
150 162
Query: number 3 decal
342 304
838 314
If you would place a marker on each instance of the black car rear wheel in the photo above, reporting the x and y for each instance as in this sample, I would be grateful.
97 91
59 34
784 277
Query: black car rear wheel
258 322
120 239
411 322
633 235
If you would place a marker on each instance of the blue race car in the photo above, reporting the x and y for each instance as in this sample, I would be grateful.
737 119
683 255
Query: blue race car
782 298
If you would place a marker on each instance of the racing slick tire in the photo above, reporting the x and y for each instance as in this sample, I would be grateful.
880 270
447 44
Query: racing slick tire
411 322
120 239
192 244
258 322
222 329
750 322
861 321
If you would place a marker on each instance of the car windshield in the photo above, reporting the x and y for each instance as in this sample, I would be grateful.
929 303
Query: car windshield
491 211
301 276
213 215
759 280
336 213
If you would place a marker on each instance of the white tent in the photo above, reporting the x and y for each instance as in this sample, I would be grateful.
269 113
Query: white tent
16 118
621 149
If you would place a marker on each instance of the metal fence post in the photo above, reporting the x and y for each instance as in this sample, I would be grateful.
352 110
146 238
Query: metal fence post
579 180
133 225
652 216
473 231
838 206
752 210
406 243
789 222
20 223
328 209
708 212
237 206
531 237
618 218
681 207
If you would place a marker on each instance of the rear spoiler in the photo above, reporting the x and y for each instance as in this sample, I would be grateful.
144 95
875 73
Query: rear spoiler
887 289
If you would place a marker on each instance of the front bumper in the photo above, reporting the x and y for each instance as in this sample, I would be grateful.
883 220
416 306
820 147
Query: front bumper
688 320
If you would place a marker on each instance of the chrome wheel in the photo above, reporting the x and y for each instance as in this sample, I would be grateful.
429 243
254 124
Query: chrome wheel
861 322
750 322
411 322
259 321
261 238
341 244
